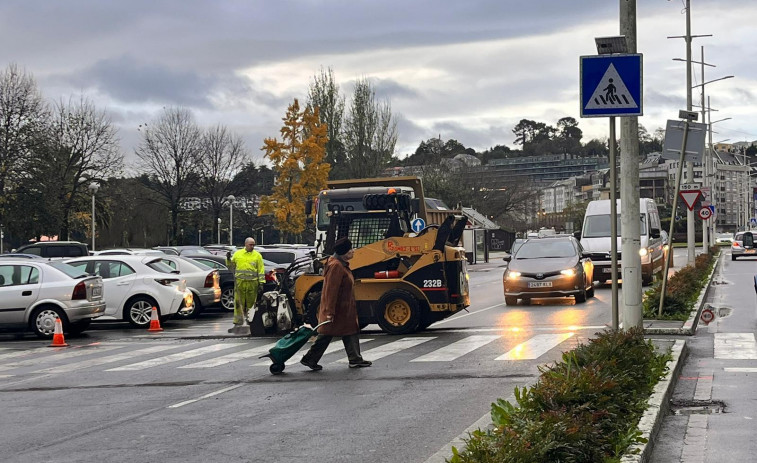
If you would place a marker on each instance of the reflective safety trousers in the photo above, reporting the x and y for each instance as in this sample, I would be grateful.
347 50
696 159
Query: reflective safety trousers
249 275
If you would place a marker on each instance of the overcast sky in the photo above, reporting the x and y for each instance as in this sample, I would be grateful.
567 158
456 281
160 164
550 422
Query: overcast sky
465 70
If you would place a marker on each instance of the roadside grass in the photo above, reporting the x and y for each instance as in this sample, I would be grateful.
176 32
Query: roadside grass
585 408
682 290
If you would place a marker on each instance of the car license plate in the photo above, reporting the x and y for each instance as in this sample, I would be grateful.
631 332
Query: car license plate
749 251
540 284
97 291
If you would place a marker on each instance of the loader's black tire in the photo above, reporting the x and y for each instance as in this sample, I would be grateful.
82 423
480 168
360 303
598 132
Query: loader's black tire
311 311
397 312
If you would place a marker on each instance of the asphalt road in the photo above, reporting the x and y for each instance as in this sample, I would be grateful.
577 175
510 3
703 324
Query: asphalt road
193 393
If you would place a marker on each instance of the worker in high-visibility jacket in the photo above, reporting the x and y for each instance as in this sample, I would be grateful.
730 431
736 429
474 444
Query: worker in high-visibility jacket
249 276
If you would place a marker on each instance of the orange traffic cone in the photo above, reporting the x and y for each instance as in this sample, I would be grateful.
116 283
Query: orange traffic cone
154 321
58 340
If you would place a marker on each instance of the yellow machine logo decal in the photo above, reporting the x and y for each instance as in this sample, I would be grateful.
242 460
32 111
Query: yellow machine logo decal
391 246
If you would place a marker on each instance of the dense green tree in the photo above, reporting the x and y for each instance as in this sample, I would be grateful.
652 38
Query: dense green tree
370 132
325 95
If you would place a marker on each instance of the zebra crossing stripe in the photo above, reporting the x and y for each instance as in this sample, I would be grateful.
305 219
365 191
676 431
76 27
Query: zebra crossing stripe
535 347
390 348
23 353
233 357
736 346
334 346
56 356
457 349
103 360
176 357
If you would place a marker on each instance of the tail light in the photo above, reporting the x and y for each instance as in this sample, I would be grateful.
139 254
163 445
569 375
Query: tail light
270 276
212 279
735 244
80 291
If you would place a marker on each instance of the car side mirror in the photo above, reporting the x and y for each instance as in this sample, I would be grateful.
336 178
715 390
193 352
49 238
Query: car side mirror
577 235
654 233
507 258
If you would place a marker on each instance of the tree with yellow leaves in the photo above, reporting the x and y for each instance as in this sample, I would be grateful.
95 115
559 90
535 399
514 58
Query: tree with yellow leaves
300 171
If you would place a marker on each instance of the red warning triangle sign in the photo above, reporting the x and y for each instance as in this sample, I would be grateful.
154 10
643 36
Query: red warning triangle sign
690 197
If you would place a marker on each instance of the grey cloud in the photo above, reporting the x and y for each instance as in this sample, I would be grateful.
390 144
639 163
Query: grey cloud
124 79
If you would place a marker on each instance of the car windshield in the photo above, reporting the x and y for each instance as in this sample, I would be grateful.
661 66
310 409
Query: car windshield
69 270
546 248
598 226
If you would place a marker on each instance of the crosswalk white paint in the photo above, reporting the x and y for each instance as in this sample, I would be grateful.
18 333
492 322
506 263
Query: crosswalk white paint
737 346
45 360
334 346
457 349
105 360
23 353
233 357
176 357
58 356
535 347
390 348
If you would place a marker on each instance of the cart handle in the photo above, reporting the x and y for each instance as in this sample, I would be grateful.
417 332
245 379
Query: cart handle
318 325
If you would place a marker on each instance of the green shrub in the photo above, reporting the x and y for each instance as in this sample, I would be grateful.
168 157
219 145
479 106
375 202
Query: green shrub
682 290
583 409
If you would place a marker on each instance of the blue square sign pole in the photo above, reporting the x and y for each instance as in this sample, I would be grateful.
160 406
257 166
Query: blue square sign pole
611 85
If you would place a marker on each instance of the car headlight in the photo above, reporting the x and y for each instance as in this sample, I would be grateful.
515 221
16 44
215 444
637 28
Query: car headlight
513 275
571 272
643 252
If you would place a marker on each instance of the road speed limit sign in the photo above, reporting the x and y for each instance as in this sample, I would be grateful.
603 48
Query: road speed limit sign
705 213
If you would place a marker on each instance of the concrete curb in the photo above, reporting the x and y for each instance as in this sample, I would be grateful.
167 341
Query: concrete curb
690 325
658 407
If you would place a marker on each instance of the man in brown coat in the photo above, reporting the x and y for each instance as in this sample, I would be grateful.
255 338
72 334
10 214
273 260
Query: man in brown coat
337 305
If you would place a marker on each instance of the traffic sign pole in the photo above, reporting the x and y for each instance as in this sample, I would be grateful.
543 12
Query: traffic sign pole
672 219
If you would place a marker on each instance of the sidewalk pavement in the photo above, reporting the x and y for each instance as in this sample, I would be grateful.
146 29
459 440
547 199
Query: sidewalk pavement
709 411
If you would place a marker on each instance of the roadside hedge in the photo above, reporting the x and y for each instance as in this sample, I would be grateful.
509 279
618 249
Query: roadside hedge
585 408
682 290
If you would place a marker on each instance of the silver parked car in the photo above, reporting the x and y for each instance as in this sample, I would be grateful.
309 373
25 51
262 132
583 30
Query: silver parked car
743 245
36 292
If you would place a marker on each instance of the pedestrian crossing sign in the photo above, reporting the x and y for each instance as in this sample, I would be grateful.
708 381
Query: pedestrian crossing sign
611 85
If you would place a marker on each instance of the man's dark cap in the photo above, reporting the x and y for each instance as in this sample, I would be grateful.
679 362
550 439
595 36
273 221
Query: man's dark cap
342 246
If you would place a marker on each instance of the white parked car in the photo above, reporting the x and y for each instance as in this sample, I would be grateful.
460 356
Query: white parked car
203 281
35 292
136 284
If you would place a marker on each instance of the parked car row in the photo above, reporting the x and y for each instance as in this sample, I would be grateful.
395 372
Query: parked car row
44 281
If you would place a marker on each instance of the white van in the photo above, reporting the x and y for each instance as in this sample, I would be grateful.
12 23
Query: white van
595 239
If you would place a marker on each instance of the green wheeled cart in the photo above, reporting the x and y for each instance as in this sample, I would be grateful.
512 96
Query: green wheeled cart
287 346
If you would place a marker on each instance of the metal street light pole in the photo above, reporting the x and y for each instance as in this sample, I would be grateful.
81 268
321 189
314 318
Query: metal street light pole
690 235
93 187
219 231
231 199
630 238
